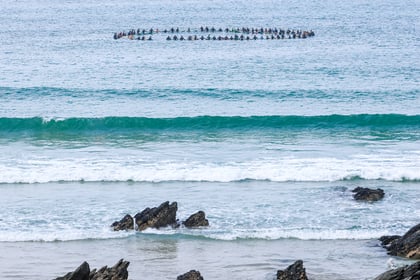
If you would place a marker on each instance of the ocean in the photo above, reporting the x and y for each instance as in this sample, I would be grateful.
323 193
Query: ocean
268 137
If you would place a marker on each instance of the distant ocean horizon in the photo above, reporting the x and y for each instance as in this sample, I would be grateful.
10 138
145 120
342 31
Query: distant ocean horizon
267 136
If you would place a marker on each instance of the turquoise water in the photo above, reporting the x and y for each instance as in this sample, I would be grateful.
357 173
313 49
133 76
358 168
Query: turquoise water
268 137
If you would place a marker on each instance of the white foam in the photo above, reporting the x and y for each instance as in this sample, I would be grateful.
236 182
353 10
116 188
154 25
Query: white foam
47 119
48 169
264 234
273 233
60 235
278 233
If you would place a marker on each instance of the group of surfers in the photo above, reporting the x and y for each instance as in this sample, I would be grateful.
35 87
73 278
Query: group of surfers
243 33
237 37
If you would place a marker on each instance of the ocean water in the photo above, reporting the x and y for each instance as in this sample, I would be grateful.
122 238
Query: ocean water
268 137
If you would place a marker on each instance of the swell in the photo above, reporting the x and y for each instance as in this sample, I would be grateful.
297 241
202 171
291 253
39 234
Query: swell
110 124
216 93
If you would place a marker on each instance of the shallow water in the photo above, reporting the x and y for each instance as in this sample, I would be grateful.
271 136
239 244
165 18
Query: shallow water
256 228
241 210
165 257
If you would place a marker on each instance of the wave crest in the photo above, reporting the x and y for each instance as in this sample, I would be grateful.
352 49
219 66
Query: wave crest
112 124
281 170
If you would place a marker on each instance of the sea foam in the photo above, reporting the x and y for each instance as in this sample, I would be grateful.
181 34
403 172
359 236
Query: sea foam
377 167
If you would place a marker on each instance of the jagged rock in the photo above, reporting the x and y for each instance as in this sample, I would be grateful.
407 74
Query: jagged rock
196 220
295 271
387 240
407 246
157 217
190 275
367 194
125 223
408 272
81 273
117 272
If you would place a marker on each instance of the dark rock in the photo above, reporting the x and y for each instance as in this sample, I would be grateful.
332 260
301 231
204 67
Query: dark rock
387 240
125 223
295 271
81 273
367 194
197 220
407 246
157 217
190 275
117 272
408 272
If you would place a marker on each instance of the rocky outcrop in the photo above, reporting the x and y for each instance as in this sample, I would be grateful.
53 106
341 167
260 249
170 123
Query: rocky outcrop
81 273
408 272
367 194
117 272
295 271
196 220
388 240
190 275
125 223
407 246
157 217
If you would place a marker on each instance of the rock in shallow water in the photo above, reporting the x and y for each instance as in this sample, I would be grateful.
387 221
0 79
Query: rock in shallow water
156 217
387 240
117 272
125 223
408 272
407 246
196 220
81 273
190 275
295 271
367 194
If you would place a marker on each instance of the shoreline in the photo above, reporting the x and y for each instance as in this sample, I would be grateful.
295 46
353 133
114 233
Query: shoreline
161 257
162 254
